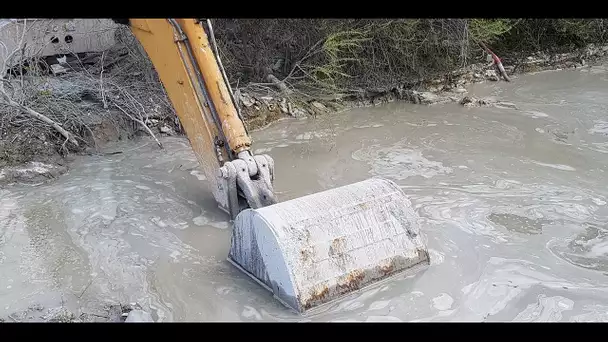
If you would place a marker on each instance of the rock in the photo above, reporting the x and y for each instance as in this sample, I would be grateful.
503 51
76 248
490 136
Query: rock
453 98
247 100
283 106
266 99
297 112
469 101
399 93
60 314
131 306
166 129
591 50
318 105
139 316
36 307
428 97
477 75
459 90
491 75
18 316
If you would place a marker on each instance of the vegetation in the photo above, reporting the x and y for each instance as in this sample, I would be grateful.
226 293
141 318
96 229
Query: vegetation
332 55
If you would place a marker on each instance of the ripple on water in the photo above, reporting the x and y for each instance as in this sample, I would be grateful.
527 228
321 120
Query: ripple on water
383 319
546 309
399 162
556 166
593 313
588 249
535 114
379 305
600 127
600 147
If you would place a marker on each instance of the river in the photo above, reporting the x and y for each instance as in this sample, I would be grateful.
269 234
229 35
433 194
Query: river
513 203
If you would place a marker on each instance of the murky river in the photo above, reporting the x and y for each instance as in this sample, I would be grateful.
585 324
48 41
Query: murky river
513 203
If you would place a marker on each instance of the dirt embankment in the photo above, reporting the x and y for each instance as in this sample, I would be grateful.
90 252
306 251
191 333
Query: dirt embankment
104 111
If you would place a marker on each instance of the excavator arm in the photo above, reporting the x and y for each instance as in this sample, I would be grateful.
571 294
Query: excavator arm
307 251
198 90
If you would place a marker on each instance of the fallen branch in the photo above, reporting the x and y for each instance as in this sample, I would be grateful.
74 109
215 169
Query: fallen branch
6 99
103 95
279 84
69 136
141 123
308 54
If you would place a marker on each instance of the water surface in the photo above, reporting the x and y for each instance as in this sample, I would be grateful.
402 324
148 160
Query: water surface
512 201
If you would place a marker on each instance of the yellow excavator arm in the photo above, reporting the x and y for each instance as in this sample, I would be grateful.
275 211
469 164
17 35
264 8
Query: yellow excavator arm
198 90
307 251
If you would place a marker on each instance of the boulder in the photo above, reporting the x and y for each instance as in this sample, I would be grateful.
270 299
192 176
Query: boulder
283 106
247 100
166 130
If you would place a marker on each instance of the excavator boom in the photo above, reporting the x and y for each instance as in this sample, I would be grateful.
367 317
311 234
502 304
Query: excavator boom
307 251
185 62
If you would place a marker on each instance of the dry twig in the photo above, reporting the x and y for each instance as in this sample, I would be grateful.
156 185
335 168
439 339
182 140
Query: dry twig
143 124
6 98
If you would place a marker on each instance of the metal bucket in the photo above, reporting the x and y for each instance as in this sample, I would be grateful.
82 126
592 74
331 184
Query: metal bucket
314 249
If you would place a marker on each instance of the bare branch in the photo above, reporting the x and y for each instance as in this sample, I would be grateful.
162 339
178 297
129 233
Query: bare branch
103 95
142 124
279 84
69 136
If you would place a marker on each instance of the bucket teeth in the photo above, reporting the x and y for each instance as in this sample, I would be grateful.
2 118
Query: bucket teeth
312 250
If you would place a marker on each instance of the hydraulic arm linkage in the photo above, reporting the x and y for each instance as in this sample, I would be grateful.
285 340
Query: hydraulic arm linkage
199 91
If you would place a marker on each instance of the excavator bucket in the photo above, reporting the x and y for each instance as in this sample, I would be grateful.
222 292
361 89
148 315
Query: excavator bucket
315 249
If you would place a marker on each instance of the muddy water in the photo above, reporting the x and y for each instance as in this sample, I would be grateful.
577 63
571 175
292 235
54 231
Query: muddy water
513 203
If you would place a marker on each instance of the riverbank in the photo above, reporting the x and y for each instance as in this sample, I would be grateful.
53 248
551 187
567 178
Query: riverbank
262 109
29 155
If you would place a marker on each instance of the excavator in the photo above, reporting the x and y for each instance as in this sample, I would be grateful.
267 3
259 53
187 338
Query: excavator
308 251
